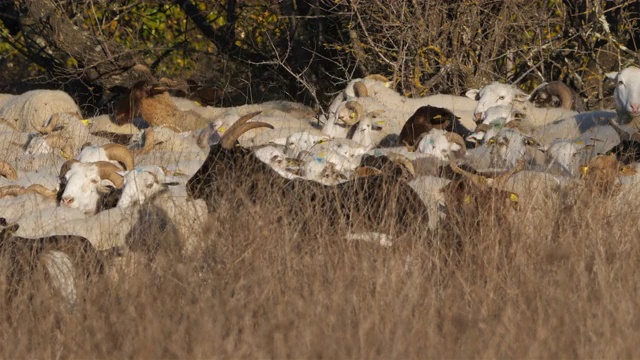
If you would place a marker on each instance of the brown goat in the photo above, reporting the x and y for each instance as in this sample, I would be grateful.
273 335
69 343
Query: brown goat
376 203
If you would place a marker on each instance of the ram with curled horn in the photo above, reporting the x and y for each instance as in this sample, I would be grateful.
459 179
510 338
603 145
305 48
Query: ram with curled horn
90 187
382 202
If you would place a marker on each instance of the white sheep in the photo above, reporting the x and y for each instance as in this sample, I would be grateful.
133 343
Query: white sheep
442 145
509 146
568 155
37 106
390 99
141 184
496 94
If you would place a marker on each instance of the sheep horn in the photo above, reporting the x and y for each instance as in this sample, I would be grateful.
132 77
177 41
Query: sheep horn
11 190
149 142
57 141
41 190
47 129
239 127
482 127
109 171
66 166
476 179
171 127
9 123
402 160
364 171
377 77
119 153
360 89
456 139
357 108
8 171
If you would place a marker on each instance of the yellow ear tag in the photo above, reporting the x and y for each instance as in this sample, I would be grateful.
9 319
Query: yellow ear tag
584 169
85 122
65 155
352 115
321 155
437 117
579 142
222 129
513 197
467 199
197 103
321 141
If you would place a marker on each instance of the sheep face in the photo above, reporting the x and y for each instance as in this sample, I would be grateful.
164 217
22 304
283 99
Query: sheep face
302 141
508 147
566 153
85 184
435 143
141 184
494 94
627 92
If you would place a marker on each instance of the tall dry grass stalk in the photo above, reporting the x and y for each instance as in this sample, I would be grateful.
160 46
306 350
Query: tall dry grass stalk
562 284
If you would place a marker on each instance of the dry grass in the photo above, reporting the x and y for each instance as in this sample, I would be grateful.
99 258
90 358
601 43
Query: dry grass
259 290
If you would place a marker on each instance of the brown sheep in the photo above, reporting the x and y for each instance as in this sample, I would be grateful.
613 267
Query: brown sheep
155 106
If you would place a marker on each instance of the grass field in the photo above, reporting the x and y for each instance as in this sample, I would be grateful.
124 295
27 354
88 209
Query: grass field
560 283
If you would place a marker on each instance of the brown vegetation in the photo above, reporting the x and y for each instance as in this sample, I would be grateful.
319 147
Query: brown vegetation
563 286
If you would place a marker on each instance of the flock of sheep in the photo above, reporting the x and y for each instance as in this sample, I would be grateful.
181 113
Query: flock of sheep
379 162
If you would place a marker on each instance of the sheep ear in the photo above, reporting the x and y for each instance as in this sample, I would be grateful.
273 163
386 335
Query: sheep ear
106 186
472 94
613 75
122 173
521 97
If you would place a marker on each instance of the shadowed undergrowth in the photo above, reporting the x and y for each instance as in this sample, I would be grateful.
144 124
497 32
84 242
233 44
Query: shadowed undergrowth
565 285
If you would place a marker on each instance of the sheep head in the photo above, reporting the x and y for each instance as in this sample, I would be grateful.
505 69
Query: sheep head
601 174
495 94
141 184
82 184
442 144
224 158
423 120
555 94
627 94
472 197
509 146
